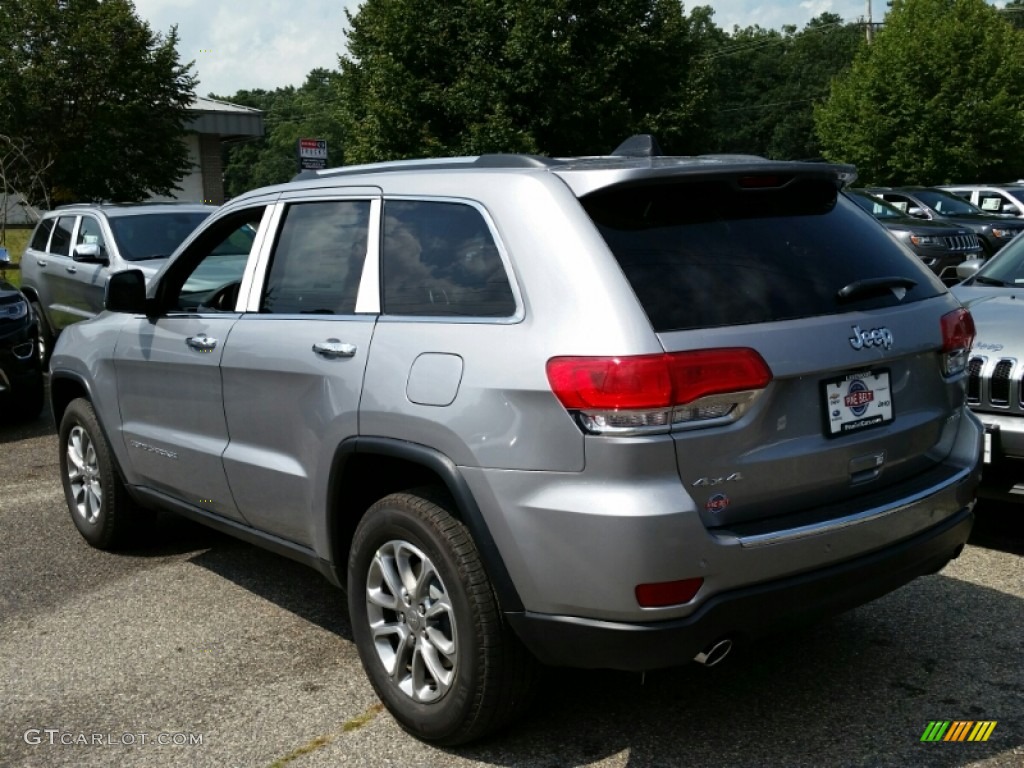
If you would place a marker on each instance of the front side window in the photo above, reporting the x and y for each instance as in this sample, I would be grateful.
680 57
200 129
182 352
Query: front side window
207 276
90 233
439 259
318 259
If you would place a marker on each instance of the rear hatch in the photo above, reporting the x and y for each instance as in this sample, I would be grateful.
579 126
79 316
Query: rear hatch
849 325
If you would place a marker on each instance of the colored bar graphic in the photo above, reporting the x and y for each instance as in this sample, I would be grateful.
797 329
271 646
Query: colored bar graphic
958 730
935 731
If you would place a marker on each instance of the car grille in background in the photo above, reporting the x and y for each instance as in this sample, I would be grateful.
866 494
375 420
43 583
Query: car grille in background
962 242
994 383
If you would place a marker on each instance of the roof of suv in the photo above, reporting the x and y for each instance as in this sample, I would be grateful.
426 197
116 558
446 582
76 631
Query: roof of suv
636 159
129 209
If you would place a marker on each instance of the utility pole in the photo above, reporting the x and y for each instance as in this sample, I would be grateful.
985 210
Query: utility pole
871 27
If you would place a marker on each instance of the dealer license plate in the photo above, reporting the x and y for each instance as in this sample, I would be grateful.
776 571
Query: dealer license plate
857 401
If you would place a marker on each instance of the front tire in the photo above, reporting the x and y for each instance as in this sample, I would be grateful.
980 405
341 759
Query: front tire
98 502
45 341
428 626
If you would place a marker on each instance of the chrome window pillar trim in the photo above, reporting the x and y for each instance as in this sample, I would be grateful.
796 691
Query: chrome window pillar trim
368 297
251 289
830 526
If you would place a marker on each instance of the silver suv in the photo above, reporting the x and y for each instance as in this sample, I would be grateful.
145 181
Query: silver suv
74 248
610 412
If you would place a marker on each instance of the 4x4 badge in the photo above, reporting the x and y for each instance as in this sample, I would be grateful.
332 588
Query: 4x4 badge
876 337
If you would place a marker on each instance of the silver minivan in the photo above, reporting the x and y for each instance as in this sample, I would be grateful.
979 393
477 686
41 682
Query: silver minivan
609 412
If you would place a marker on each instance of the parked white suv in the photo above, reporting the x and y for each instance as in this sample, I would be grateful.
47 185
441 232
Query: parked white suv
1007 199
74 248
609 412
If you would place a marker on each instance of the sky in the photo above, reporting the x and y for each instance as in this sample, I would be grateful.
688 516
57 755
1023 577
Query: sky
244 45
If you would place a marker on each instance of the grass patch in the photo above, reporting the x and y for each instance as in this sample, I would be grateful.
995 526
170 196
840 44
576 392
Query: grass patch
15 241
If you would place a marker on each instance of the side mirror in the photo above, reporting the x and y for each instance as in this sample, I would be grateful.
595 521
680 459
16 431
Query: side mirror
968 268
1011 209
916 212
89 253
126 292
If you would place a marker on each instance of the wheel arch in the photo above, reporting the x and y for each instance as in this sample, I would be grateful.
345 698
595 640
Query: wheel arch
373 467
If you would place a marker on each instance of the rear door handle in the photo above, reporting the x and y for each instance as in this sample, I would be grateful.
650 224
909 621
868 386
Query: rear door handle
332 349
202 343
72 270
41 262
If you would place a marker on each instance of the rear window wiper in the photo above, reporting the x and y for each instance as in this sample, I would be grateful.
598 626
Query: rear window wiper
874 285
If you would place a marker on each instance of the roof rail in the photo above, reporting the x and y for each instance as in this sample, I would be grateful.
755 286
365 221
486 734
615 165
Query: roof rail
434 164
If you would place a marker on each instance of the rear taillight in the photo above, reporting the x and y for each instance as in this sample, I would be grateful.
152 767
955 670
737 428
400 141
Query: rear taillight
654 393
957 338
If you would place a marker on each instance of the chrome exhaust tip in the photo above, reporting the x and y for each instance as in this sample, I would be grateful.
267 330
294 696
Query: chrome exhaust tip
714 653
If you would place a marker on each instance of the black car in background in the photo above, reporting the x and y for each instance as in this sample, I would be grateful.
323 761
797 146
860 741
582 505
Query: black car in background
933 204
942 247
21 370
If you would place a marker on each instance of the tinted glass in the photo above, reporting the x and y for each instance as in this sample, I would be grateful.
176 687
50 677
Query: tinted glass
877 208
946 202
153 235
42 235
440 260
709 254
89 233
318 260
1006 267
207 276
60 245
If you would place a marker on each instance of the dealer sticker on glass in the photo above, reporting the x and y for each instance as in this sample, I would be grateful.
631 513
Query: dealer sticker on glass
858 401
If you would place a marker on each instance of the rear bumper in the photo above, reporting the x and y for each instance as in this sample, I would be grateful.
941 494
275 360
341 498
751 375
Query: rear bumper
742 613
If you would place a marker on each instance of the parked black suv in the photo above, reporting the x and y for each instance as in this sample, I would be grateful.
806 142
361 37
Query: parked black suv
21 374
939 205
941 246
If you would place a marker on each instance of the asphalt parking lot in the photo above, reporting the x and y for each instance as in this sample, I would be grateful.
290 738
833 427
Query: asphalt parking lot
203 651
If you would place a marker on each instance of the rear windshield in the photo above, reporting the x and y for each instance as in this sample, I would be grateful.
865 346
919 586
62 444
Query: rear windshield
708 253
153 235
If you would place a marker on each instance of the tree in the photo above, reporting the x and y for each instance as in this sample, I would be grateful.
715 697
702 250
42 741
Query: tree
289 115
938 97
551 76
96 98
768 81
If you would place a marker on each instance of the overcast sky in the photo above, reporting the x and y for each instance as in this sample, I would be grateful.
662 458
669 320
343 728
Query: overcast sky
242 44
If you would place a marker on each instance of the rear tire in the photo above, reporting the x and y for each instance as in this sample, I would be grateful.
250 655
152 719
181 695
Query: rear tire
97 499
428 627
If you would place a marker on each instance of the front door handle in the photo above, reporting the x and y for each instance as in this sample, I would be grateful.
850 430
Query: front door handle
202 343
332 349
72 270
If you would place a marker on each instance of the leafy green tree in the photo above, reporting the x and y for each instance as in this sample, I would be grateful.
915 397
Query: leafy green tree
768 81
938 97
97 98
290 114
551 76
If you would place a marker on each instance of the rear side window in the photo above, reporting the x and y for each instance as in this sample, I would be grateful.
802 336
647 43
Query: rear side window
61 243
42 235
706 254
318 260
439 259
